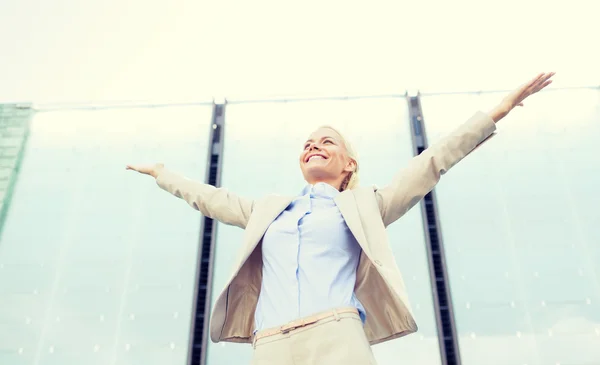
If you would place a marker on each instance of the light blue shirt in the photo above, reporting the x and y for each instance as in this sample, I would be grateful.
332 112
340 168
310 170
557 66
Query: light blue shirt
310 259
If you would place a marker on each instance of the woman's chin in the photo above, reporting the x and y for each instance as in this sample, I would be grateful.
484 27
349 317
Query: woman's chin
319 176
317 171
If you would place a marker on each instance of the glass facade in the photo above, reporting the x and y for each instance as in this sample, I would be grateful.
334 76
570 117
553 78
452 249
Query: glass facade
519 220
14 129
262 160
97 264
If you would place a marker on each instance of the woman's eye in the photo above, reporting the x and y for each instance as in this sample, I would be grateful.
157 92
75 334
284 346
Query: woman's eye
328 141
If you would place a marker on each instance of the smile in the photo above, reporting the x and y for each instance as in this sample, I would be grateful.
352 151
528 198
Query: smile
314 157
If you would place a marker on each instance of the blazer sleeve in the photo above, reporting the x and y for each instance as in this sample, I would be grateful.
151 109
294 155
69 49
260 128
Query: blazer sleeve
212 202
423 172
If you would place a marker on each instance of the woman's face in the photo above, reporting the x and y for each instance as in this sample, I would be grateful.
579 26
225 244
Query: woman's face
325 158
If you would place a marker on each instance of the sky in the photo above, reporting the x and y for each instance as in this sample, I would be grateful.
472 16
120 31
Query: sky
70 51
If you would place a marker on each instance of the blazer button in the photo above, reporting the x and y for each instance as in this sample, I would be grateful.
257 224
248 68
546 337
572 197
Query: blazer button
378 263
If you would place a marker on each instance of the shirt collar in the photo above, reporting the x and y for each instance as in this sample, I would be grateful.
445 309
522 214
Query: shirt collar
321 190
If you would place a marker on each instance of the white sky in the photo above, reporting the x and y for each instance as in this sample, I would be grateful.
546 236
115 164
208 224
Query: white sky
109 50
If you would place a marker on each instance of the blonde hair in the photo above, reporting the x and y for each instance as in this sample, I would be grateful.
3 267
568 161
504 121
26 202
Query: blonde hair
351 180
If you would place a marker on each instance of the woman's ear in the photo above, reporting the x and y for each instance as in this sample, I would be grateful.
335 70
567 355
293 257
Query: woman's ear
350 166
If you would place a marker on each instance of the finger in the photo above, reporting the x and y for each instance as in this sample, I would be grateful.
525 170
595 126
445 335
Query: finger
541 86
546 84
545 78
537 78
528 87
537 84
529 83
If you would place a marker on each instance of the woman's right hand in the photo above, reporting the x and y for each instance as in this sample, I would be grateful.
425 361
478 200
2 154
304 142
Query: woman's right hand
153 171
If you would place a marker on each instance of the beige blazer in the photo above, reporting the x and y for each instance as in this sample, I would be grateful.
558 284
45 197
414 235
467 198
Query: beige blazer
367 212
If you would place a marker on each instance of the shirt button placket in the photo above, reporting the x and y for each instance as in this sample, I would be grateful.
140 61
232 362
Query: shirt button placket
296 287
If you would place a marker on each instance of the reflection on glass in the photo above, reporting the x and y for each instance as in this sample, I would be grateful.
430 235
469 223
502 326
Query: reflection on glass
263 160
519 219
14 128
97 263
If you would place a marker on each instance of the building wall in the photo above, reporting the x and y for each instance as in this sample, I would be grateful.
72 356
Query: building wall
14 131
519 221
97 264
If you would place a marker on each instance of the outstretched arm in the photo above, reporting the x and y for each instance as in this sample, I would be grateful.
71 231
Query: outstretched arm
212 202
423 172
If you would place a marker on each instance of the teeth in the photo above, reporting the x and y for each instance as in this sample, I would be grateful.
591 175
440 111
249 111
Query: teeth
313 157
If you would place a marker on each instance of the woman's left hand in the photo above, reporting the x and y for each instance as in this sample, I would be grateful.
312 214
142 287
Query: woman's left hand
516 97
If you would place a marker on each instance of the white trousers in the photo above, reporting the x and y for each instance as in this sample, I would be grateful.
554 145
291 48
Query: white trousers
337 340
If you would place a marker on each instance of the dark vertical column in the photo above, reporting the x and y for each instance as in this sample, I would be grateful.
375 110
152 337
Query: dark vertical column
200 329
14 132
442 299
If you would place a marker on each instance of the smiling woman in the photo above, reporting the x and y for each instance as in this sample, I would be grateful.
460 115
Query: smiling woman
316 281
329 157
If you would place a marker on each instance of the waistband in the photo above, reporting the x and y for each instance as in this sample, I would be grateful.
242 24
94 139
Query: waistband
302 322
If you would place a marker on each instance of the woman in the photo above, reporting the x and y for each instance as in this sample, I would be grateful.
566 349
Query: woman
316 281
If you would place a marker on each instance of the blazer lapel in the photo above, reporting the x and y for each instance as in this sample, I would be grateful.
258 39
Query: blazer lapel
346 202
266 215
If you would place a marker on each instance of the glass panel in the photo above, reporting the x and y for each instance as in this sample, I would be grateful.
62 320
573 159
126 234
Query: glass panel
14 129
519 219
97 263
259 161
